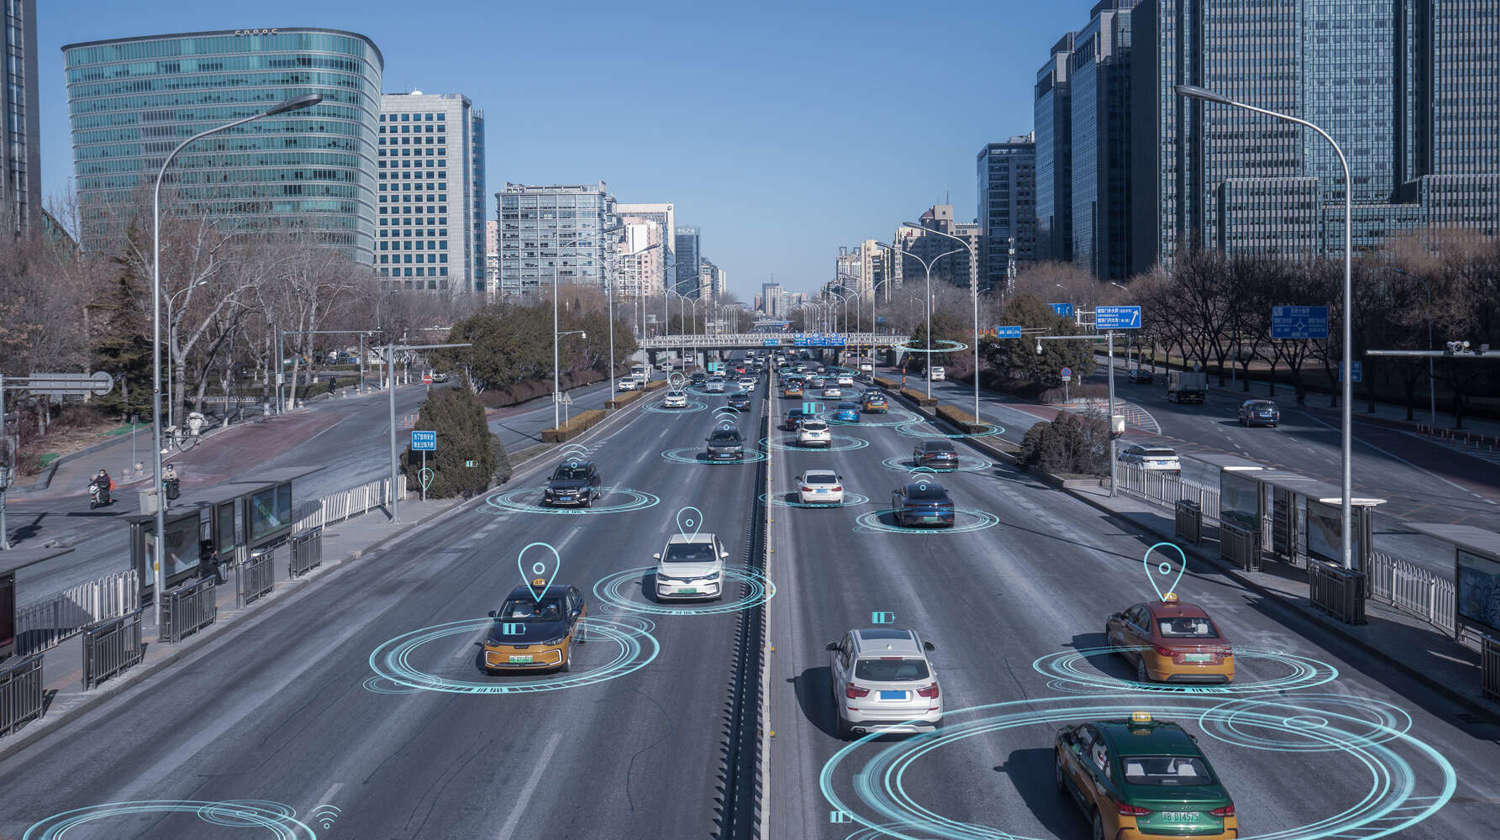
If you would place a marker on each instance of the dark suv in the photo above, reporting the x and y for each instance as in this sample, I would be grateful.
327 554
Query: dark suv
1259 413
572 483
725 444
938 454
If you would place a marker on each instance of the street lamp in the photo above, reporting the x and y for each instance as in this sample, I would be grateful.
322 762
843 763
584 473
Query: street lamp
160 553
973 293
927 267
1347 391
555 339
556 293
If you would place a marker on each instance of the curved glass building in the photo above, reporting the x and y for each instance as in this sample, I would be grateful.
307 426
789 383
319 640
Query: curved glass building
132 100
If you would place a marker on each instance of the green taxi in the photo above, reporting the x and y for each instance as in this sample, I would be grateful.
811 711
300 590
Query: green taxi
1139 778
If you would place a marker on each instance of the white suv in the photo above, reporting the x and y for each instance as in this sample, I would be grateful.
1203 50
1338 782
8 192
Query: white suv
714 385
814 433
675 399
629 383
883 681
820 487
691 567
938 374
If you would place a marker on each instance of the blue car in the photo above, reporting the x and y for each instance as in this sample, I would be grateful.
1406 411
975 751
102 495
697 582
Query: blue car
847 412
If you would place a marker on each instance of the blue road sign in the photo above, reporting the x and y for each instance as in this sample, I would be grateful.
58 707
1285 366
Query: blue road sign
423 441
771 342
1064 310
1292 322
1117 317
1359 371
1008 332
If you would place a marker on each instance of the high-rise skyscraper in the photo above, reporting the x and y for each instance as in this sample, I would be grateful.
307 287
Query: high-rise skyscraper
664 215
1099 83
432 199
688 247
311 171
1053 112
1007 207
559 232
492 256
953 269
20 138
642 254
772 302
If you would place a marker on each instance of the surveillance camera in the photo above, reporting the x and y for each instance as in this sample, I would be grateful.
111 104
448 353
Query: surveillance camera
1039 348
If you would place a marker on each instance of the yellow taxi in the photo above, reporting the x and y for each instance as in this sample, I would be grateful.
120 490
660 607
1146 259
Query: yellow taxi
1171 641
532 633
791 389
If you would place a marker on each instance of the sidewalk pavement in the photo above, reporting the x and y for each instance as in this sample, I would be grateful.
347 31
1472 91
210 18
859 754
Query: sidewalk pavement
1406 642
343 542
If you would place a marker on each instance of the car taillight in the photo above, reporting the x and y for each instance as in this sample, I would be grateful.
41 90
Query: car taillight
1165 651
1226 811
838 488
806 489
853 691
1131 810
929 691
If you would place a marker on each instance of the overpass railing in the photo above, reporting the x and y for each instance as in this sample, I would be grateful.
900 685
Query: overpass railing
777 340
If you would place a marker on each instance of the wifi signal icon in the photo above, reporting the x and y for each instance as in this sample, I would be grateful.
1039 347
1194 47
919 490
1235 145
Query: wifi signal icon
325 814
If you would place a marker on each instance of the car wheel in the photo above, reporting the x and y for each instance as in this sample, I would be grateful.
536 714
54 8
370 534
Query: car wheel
1098 827
1141 673
567 664
582 636
841 728
1057 775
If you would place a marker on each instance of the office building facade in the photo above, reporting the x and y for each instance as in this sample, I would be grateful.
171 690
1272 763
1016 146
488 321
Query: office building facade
927 245
555 233
772 301
432 199
20 135
1007 209
687 242
1099 74
492 256
310 172
1052 110
642 257
664 216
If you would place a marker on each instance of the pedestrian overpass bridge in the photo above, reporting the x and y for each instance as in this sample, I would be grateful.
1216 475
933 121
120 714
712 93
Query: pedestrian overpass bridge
750 341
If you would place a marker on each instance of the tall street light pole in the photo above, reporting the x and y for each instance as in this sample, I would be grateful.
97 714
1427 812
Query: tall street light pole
973 293
556 293
927 268
1346 513
160 553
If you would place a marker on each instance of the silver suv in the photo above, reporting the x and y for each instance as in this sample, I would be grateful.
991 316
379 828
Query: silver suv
883 681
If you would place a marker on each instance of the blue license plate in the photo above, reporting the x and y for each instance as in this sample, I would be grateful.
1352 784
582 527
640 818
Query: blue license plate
892 695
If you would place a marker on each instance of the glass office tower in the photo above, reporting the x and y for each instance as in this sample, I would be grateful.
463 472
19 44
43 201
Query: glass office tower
20 139
313 171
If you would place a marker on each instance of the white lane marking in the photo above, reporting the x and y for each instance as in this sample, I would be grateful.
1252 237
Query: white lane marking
329 794
564 541
1388 454
467 651
530 788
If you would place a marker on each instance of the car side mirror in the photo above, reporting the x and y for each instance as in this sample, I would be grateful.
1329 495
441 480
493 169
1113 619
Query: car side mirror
831 646
929 646
723 555
839 477
492 613
656 556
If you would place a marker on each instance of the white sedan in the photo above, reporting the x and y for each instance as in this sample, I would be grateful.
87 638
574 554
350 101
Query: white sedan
627 384
832 393
747 384
845 380
691 567
675 399
820 487
814 433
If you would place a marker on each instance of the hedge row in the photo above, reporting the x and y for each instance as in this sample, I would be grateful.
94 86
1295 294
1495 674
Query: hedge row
576 425
960 418
919 397
624 398
887 382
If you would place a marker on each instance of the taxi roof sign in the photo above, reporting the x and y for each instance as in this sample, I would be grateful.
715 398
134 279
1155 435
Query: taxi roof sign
1169 598
1140 717
538 581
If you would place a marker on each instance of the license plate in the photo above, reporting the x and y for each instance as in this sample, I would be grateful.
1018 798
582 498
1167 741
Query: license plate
1179 816
820 491
892 695
1198 657
520 660
687 590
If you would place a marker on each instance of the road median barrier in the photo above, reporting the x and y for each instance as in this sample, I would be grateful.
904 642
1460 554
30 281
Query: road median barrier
886 383
963 420
623 399
656 384
576 425
919 397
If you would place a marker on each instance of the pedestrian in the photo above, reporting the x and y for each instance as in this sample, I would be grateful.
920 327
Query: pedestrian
208 560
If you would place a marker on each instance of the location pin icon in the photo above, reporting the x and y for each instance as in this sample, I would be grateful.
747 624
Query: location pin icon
1162 569
689 519
543 567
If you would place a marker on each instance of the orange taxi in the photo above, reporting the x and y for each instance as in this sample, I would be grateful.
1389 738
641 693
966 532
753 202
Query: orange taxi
1171 641
536 634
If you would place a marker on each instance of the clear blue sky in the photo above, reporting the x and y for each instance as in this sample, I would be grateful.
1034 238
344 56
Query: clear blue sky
782 129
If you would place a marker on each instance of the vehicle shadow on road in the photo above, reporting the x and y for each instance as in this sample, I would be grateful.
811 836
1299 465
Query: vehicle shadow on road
815 696
1031 772
1053 536
1105 662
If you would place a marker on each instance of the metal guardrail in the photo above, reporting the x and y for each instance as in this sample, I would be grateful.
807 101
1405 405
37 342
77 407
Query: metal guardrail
1341 592
336 507
1166 489
41 626
110 648
188 609
1489 667
1413 590
254 578
307 553
851 340
21 697
1239 546
1189 521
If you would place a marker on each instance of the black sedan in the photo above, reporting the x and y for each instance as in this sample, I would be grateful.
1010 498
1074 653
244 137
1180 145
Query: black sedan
1259 413
938 454
740 401
725 444
922 502
573 483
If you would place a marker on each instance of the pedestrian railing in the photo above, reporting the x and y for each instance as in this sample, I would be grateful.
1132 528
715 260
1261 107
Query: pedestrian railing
1166 489
1239 546
111 647
255 577
43 625
1413 590
1489 666
188 609
1341 592
21 698
347 503
307 552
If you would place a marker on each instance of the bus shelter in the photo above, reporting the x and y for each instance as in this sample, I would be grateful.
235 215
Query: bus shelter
12 561
1294 517
1476 591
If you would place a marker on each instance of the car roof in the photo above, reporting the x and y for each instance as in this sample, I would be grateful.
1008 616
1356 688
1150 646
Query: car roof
1181 609
931 484
1159 737
819 471
553 591
680 539
575 463
937 444
887 641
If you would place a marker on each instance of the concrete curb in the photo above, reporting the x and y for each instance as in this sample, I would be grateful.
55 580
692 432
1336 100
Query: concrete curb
1315 617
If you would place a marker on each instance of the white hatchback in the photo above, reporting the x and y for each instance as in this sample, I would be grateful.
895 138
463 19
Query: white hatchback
882 681
814 433
691 567
820 487
938 374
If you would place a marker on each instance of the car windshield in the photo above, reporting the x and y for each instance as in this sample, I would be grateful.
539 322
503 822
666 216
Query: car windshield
567 473
820 478
848 406
1186 628
725 436
926 492
676 394
891 670
938 446
1261 406
1166 770
550 608
815 425
1158 453
695 552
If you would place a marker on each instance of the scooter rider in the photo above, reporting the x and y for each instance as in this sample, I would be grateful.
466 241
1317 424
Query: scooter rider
169 481
101 485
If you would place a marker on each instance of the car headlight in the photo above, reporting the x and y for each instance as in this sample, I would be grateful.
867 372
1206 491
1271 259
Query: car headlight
556 641
714 576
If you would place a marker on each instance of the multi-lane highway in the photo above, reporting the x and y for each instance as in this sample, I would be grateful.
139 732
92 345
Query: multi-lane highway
364 693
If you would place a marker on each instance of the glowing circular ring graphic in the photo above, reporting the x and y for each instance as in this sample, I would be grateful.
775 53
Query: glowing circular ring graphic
280 820
513 500
1063 668
1391 806
655 407
991 431
951 347
851 499
966 463
694 455
981 519
1390 721
634 649
836 443
610 589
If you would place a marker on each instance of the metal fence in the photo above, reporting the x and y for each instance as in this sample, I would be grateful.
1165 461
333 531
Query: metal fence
1413 590
1166 489
1188 521
352 502
21 697
254 578
1240 546
188 609
1339 591
110 648
1489 666
307 552
43 625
